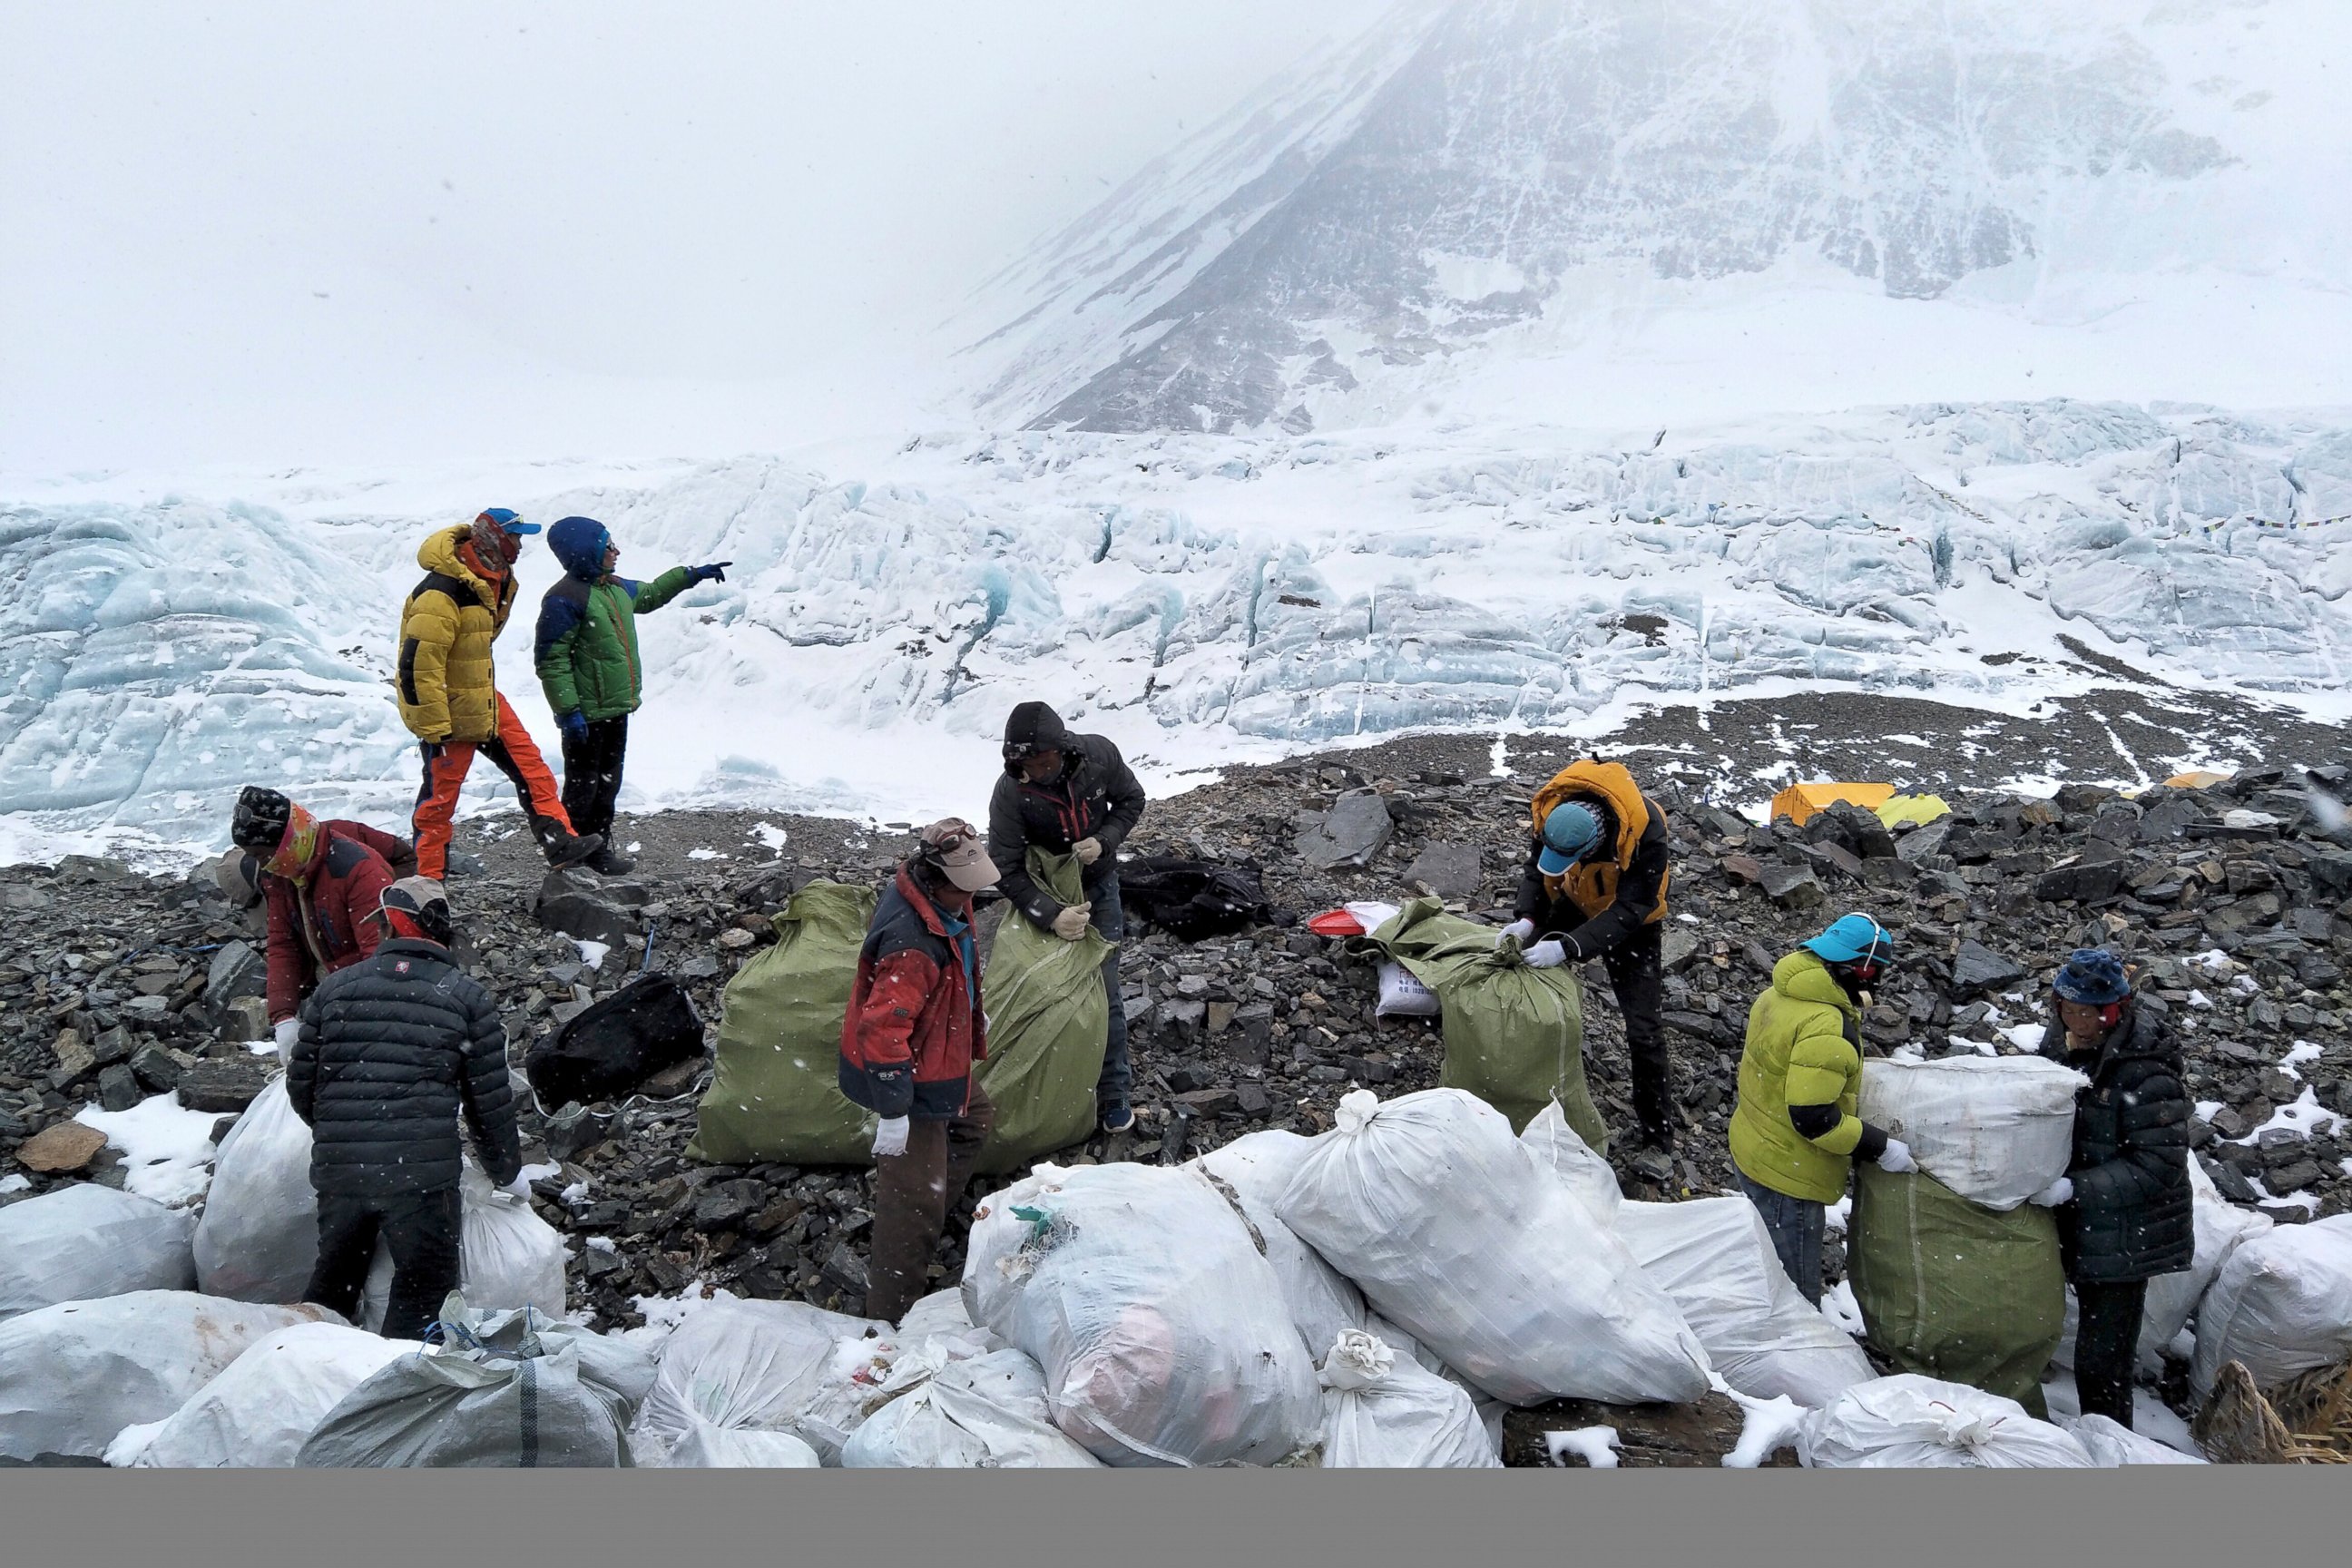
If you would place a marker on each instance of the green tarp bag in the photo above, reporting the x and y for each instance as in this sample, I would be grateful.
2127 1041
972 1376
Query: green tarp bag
1514 1036
1952 1289
775 1092
1048 1023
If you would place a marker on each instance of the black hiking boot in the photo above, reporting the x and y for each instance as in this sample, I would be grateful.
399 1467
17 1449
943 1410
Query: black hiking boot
607 862
561 845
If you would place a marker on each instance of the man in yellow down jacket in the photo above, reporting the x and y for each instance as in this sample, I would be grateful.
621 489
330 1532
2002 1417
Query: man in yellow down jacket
449 689
1794 1133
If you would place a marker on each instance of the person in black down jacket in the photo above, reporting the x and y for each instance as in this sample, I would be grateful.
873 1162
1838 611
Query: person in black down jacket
390 1051
2124 1206
1070 794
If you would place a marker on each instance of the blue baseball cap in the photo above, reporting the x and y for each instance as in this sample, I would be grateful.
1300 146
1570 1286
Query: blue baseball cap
506 521
1569 834
1853 938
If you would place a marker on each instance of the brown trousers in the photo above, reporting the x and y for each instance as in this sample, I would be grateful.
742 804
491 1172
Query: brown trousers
912 1194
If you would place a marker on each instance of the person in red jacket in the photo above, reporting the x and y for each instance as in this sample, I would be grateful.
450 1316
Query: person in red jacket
323 883
907 1043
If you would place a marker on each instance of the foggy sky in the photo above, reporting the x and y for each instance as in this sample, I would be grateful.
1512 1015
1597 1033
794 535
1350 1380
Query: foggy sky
247 232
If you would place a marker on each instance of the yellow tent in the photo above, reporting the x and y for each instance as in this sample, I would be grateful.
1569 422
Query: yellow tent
1800 802
1919 808
2196 778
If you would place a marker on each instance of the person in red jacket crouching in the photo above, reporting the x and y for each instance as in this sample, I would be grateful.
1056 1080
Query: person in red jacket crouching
323 883
907 1045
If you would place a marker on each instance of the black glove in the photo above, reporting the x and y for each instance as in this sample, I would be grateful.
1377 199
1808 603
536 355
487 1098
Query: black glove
716 571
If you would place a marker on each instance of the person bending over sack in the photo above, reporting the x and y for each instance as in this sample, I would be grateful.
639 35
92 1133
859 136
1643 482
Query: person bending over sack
392 1051
1794 1132
1595 884
2124 1208
320 883
907 1044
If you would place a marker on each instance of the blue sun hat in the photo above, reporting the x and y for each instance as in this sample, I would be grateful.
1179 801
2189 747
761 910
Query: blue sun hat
506 521
1853 939
1569 835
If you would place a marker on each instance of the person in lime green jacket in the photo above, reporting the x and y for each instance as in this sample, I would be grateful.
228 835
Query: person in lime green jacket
587 651
1794 1132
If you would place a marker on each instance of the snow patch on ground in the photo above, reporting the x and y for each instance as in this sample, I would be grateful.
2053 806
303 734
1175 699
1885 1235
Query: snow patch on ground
1596 1445
167 1150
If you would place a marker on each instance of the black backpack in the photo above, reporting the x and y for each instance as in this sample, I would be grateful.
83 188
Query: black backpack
612 1047
1194 899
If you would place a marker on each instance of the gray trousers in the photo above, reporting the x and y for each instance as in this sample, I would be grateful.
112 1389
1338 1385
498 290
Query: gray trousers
1796 1224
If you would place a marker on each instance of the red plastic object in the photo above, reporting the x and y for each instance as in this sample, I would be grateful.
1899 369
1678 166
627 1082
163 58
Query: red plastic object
1336 922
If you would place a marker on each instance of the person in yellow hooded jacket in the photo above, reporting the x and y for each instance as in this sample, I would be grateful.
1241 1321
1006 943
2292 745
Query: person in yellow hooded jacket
1594 886
1795 1134
449 694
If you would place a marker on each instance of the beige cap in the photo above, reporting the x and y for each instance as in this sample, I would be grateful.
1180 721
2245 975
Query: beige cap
957 849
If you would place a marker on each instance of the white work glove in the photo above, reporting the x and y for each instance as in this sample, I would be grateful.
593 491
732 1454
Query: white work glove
1520 930
1897 1157
520 1186
1071 923
1546 955
2061 1191
890 1137
1088 850
286 1034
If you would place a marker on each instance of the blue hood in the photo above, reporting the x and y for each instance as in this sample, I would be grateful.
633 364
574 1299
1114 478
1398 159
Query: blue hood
578 543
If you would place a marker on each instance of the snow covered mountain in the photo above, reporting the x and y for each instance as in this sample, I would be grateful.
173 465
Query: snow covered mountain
1560 208
1198 597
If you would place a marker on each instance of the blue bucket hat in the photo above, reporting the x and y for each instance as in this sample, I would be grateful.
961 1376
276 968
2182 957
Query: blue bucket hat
2094 976
1569 834
1852 938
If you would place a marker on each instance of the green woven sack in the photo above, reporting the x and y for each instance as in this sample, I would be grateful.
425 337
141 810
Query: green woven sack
1514 1036
775 1093
1952 1289
1048 1023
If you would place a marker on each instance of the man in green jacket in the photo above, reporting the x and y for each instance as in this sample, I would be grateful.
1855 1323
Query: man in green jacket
1794 1133
587 656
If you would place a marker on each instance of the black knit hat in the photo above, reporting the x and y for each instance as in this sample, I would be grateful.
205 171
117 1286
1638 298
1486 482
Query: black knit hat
260 820
1034 728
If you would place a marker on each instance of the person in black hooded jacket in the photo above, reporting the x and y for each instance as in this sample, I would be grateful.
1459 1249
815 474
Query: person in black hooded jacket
2125 1209
1069 795
390 1051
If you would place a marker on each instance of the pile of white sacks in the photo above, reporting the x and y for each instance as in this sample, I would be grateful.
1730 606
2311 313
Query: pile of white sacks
1374 1296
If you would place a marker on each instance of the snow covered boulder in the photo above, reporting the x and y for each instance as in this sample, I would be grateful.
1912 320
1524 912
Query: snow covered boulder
1995 1130
2281 1304
84 1242
258 1238
1715 1258
1455 1232
987 1412
259 1412
1382 1410
766 1366
72 1376
1146 1297
1909 1422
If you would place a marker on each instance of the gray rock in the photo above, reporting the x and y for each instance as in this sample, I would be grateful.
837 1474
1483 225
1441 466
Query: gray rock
1980 968
222 1085
579 905
1357 827
1677 949
2293 1178
725 1205
844 1269
155 1068
2084 879
1792 886
236 971
1921 843
1449 870
2229 1182
246 1019
118 1088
